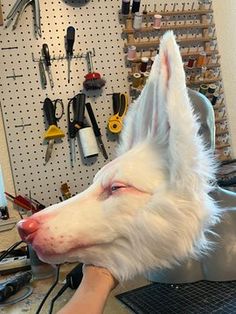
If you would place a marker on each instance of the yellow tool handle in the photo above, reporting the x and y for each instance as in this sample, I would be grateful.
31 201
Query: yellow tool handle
115 122
53 132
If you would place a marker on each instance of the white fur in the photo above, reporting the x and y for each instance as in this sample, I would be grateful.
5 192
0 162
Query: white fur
164 211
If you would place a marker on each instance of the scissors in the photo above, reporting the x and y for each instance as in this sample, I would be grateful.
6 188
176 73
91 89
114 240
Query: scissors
18 9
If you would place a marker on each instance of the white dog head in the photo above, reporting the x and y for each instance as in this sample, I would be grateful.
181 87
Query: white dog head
149 207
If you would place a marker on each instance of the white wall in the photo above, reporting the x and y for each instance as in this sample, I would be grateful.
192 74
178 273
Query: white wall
9 237
225 17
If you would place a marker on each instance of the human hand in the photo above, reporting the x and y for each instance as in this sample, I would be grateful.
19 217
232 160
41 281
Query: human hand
96 285
99 274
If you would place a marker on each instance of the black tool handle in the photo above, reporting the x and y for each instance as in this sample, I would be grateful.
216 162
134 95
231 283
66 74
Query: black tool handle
10 287
116 102
49 110
70 39
93 120
46 55
78 108
122 105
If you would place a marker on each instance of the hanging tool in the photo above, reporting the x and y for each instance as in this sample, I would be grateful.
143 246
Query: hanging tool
120 106
47 60
1 15
65 190
70 39
93 80
21 202
78 107
28 204
42 74
96 130
18 9
53 132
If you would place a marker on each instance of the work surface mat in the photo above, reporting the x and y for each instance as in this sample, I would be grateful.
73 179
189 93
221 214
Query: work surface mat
190 298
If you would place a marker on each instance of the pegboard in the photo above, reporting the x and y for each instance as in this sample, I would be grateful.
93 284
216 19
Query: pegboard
98 24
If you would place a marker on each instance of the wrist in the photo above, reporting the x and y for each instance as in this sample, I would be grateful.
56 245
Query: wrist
100 277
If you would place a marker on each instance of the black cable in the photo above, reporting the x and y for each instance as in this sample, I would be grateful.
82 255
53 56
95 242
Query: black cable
11 248
49 291
57 296
73 280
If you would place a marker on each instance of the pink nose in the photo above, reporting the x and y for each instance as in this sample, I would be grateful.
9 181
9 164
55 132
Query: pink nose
27 227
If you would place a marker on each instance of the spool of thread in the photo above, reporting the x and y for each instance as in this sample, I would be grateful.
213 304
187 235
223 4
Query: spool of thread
144 63
203 89
88 142
145 77
203 72
135 6
128 24
212 88
192 77
201 60
131 53
138 19
136 80
125 7
190 62
152 61
214 99
157 21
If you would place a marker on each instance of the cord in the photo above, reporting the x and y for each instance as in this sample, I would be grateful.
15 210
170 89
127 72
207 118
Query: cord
49 291
57 296
11 248
73 280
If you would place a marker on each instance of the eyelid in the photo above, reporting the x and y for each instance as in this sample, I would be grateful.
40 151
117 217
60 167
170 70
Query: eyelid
117 185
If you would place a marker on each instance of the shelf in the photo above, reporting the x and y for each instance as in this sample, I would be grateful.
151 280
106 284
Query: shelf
220 120
178 13
183 54
184 12
205 81
155 43
196 53
222 146
208 66
222 133
168 27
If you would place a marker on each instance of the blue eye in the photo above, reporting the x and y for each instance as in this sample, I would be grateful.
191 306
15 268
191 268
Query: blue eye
117 187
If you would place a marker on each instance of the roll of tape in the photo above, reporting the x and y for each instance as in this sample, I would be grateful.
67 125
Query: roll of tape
88 142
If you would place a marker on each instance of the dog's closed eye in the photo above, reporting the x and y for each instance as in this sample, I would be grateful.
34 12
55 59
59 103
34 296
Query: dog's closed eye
117 186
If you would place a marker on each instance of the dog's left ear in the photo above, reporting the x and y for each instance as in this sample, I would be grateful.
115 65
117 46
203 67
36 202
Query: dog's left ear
163 106
163 113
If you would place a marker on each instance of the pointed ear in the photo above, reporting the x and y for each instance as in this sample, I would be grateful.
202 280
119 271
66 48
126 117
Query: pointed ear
163 115
161 102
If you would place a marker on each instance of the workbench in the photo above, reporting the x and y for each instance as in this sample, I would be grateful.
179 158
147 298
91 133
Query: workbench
40 287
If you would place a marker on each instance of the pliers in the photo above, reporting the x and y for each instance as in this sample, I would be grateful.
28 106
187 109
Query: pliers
18 9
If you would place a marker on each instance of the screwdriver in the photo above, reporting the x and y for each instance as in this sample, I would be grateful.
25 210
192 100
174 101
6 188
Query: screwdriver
42 74
96 130
70 39
47 60
78 107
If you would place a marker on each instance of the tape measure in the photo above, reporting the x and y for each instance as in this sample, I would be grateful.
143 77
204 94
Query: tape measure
115 123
